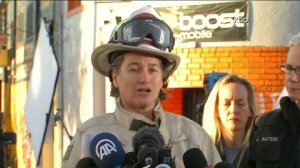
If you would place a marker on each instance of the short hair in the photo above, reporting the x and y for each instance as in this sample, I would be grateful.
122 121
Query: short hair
294 40
210 122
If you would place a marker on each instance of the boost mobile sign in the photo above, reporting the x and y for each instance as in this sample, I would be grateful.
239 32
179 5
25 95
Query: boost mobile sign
208 22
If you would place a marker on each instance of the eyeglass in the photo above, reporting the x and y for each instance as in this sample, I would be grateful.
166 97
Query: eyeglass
287 69
134 31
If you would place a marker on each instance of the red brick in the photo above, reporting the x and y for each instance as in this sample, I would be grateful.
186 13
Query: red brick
282 55
212 49
197 60
186 61
256 70
221 54
240 59
269 77
205 50
237 54
222 65
272 83
253 65
195 55
183 72
255 59
283 49
273 59
198 50
270 65
225 59
185 84
182 66
207 65
192 50
249 49
277 88
237 65
281 77
193 65
226 70
197 71
183 55
208 54
241 71
197 83
253 77
258 49
181 77
211 60
193 77
271 71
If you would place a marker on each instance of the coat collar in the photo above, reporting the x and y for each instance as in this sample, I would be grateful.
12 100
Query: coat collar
126 119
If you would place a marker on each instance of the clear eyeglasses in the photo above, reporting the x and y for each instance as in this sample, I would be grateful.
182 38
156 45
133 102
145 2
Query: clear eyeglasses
287 69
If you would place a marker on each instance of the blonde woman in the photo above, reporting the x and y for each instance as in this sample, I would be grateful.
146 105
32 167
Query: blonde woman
228 113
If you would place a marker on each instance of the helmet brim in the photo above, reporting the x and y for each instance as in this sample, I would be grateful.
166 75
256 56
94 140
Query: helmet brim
100 57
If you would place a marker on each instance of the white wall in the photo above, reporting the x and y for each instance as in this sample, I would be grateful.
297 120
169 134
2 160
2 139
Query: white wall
77 70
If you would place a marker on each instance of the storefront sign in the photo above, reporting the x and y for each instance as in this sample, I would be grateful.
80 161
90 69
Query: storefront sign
208 22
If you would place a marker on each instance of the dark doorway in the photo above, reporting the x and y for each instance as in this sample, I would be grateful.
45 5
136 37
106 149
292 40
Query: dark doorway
192 100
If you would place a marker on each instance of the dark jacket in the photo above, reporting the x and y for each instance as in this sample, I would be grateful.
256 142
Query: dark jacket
274 139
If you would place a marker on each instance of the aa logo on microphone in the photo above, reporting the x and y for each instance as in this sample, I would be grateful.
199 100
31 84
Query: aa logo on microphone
105 147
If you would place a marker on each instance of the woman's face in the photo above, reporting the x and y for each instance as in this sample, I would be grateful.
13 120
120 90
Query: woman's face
233 106
139 80
292 80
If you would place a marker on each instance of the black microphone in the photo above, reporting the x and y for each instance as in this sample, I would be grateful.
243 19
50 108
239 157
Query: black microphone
194 158
107 151
223 165
147 143
130 160
86 163
165 157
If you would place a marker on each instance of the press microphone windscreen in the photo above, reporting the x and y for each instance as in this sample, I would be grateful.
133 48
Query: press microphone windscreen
85 163
107 151
129 158
223 165
149 132
147 143
194 158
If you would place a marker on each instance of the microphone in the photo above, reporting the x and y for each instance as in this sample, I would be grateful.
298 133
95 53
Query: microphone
129 160
147 143
165 157
194 158
223 165
107 151
86 163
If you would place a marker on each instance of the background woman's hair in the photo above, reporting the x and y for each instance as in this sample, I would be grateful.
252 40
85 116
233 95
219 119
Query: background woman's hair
211 122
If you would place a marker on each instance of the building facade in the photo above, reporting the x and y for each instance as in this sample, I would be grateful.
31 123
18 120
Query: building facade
77 27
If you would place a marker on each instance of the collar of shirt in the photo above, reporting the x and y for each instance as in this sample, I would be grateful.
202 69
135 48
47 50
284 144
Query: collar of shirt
126 118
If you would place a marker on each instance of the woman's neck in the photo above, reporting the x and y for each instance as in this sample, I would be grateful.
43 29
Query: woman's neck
145 111
233 139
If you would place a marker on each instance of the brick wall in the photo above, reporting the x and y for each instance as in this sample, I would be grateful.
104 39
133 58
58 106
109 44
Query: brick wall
258 64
